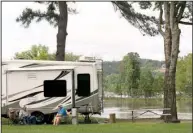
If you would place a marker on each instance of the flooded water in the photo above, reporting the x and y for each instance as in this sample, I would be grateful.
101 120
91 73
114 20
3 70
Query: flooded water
122 108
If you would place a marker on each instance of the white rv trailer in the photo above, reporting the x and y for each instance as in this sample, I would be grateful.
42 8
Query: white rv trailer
22 84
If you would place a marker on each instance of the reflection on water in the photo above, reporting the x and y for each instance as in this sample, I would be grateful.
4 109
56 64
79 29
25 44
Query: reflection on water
127 114
183 106
122 107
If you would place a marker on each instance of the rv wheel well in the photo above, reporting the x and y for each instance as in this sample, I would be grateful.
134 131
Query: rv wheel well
40 117
36 112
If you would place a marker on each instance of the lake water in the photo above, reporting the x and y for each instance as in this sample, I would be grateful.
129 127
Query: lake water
122 107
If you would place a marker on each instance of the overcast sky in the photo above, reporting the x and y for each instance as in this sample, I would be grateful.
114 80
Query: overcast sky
96 31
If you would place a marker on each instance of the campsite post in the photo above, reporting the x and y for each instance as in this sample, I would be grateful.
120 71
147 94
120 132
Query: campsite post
74 109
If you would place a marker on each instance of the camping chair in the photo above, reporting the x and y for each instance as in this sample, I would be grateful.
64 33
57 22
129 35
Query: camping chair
13 117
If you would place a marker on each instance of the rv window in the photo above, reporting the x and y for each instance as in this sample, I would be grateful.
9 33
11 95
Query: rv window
55 88
83 85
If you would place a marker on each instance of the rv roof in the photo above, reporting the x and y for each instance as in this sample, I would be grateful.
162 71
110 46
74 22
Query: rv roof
48 62
43 68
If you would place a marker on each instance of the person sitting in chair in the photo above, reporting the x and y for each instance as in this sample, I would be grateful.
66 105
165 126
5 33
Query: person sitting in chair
12 116
61 113
25 116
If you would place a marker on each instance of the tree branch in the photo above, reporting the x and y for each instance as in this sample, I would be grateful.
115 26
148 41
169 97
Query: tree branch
28 15
183 6
172 11
160 20
142 22
186 23
51 15
166 13
178 6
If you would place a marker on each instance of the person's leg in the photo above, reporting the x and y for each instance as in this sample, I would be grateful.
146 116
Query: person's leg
25 120
55 118
58 120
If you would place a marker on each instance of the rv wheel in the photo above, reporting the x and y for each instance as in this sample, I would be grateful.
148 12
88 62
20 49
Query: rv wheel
39 117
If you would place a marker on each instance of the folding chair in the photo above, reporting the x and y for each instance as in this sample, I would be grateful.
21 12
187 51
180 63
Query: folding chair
13 117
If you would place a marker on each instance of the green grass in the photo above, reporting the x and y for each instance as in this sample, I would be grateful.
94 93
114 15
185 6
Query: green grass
126 127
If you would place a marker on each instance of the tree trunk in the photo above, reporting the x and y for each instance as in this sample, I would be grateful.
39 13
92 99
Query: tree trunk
167 49
167 93
172 62
62 31
172 71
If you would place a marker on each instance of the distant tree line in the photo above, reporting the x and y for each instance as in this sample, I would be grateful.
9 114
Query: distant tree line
113 66
41 52
133 77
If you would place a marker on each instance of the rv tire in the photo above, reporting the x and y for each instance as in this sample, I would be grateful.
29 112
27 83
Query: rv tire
40 118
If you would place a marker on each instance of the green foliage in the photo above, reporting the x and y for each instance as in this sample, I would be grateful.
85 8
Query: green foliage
158 83
111 82
151 64
51 15
183 9
145 4
41 52
111 67
128 77
131 72
71 57
146 82
146 24
184 75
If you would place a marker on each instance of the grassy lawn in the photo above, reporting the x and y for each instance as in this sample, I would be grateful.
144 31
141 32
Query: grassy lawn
123 127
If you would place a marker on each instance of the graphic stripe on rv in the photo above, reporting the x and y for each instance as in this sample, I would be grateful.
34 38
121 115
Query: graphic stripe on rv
62 74
37 65
29 95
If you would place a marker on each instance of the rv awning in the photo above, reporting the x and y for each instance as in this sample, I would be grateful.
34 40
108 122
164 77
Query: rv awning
43 68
